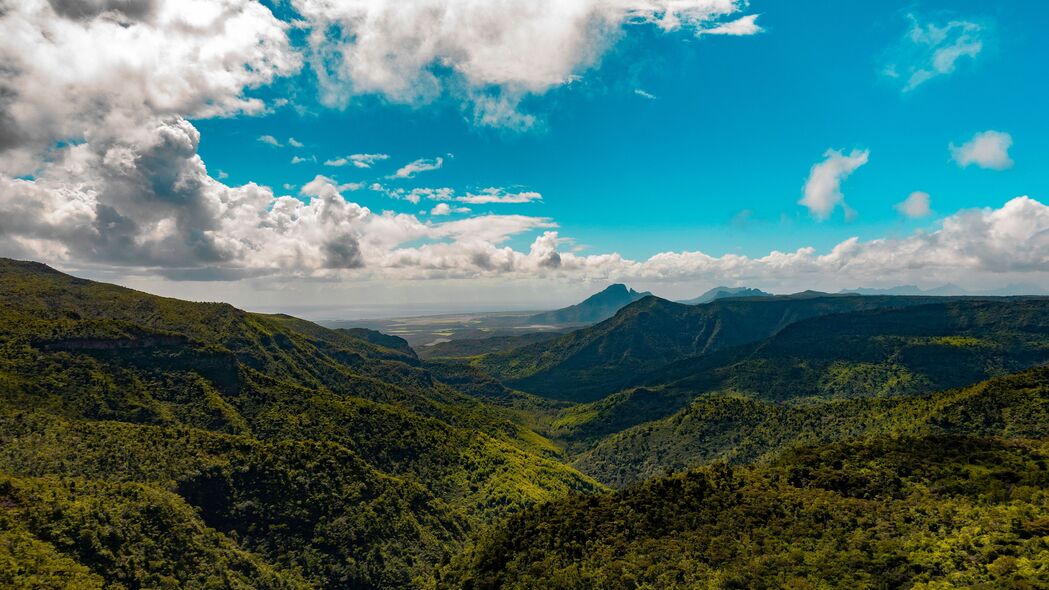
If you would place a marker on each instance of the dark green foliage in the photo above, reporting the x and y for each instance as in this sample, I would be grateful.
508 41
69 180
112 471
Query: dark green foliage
153 443
874 353
651 333
743 430
469 347
352 466
127 535
930 512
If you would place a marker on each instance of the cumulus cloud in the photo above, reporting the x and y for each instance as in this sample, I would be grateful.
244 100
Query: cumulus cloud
270 140
915 205
411 169
322 186
103 71
357 160
498 195
100 163
294 142
416 52
929 50
446 209
822 192
987 149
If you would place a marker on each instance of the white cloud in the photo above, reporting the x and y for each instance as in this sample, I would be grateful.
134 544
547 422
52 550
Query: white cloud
822 192
322 186
915 205
745 25
357 160
270 140
498 195
411 169
109 70
446 209
303 159
366 160
100 164
294 142
929 50
415 52
223 175
987 149
644 94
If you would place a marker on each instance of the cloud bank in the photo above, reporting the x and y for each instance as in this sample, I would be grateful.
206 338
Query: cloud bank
100 163
490 59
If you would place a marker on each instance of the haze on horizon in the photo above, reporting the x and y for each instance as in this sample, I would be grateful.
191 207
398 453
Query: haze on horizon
437 156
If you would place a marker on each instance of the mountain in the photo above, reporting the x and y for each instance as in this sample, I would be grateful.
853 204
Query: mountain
932 511
941 291
876 353
952 290
740 429
152 442
724 292
886 492
819 441
595 308
593 362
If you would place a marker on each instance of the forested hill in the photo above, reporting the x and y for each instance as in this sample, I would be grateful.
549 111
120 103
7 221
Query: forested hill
593 362
151 442
949 490
820 441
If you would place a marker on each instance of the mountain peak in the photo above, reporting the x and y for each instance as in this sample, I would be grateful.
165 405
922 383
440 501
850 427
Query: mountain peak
599 306
723 292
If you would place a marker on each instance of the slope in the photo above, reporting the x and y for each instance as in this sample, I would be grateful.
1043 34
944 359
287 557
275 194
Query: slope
872 353
909 512
80 357
595 308
593 362
739 429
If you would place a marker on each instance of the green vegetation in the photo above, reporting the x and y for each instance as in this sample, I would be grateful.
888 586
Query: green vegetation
652 333
738 429
878 353
925 512
328 458
819 442
469 347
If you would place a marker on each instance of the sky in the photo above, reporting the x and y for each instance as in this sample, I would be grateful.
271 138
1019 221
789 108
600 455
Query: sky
370 157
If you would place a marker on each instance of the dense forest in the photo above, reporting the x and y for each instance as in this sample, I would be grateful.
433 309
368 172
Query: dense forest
807 441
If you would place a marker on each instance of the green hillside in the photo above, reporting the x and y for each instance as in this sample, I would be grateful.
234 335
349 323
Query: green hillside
818 441
911 512
651 333
337 459
739 429
871 353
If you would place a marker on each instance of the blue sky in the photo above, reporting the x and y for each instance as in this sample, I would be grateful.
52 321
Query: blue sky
527 152
716 162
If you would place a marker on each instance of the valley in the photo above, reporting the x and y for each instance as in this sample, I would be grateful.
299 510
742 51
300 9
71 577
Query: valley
665 445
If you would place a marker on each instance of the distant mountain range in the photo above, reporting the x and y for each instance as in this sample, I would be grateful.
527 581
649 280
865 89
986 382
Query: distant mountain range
948 290
597 307
725 292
